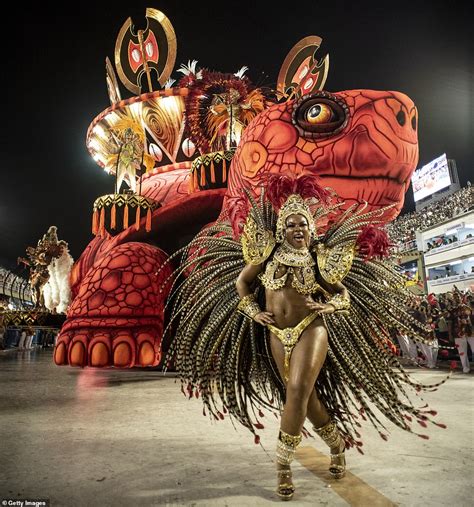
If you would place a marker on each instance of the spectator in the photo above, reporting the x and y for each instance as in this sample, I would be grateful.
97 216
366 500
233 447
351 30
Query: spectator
442 327
407 345
21 342
429 349
29 338
464 335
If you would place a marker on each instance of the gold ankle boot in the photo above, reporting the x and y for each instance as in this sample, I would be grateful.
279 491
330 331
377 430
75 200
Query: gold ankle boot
285 452
331 436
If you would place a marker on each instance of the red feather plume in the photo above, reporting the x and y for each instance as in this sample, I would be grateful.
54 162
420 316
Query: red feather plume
187 81
238 212
373 242
280 187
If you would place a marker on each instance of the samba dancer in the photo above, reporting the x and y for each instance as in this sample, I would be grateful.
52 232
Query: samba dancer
265 322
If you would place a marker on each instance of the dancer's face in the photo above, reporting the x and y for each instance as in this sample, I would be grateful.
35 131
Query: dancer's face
297 231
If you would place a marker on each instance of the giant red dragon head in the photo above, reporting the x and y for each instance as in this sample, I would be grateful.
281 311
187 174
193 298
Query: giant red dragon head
361 143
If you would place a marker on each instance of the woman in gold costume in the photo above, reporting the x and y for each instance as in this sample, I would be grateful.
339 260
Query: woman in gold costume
298 336
264 321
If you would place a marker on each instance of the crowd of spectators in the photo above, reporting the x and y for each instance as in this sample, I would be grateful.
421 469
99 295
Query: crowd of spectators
13 285
440 241
403 229
450 317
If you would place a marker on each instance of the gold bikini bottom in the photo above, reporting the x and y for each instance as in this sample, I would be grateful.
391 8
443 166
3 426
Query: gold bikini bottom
289 338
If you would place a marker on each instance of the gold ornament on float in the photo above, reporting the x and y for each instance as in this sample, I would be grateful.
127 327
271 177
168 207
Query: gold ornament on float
149 53
301 73
128 203
210 170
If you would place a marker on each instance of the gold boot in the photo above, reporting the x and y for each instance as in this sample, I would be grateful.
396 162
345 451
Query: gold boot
331 436
286 448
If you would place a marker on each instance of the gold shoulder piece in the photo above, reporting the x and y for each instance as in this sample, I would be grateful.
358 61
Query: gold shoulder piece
257 242
334 263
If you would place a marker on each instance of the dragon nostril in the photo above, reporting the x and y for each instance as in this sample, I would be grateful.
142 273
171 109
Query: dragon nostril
401 117
413 122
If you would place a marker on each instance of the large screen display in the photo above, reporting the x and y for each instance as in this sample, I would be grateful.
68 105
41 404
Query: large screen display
431 177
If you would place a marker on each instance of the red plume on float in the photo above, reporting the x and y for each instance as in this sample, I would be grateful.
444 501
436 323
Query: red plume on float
280 187
373 242
187 81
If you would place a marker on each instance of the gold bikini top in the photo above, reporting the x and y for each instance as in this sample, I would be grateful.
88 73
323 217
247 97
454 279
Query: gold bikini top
334 262
298 262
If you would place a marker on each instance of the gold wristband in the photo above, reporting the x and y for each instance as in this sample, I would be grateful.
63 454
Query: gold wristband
340 303
249 306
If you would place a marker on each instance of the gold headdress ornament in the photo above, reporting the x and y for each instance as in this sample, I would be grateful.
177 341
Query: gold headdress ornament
294 205
291 196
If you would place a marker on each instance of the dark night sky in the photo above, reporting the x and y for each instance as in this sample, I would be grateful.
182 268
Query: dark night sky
54 85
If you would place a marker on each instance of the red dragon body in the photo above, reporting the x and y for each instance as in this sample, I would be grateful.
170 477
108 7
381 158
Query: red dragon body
363 145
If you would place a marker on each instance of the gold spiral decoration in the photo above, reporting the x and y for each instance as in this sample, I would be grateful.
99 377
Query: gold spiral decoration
163 117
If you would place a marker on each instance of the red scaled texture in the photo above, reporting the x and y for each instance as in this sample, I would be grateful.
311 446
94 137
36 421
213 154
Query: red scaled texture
167 189
117 316
371 159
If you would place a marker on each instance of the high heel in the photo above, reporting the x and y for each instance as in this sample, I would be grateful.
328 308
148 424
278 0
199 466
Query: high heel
285 452
285 490
331 436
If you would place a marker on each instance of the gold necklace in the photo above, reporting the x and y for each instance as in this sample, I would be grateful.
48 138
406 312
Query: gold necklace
290 256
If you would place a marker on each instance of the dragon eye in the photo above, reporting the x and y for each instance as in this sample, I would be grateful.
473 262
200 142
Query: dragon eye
320 114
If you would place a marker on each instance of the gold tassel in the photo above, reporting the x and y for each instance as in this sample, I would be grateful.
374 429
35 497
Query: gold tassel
148 220
213 172
102 222
195 185
224 170
137 218
95 222
125 217
113 217
191 183
203 176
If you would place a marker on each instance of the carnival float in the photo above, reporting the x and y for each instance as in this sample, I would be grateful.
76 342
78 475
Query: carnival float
37 294
181 151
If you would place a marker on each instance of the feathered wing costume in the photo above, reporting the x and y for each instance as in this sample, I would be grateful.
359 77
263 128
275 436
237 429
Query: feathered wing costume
224 357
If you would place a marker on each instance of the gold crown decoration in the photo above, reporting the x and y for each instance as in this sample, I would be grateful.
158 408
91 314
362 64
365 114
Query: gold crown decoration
294 205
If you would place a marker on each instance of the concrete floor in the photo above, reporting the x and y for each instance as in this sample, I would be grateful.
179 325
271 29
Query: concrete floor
90 437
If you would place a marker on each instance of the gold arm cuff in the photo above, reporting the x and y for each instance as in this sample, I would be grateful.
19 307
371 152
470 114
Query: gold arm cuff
249 306
340 303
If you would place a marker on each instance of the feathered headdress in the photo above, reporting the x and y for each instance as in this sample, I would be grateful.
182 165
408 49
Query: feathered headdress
280 187
289 196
